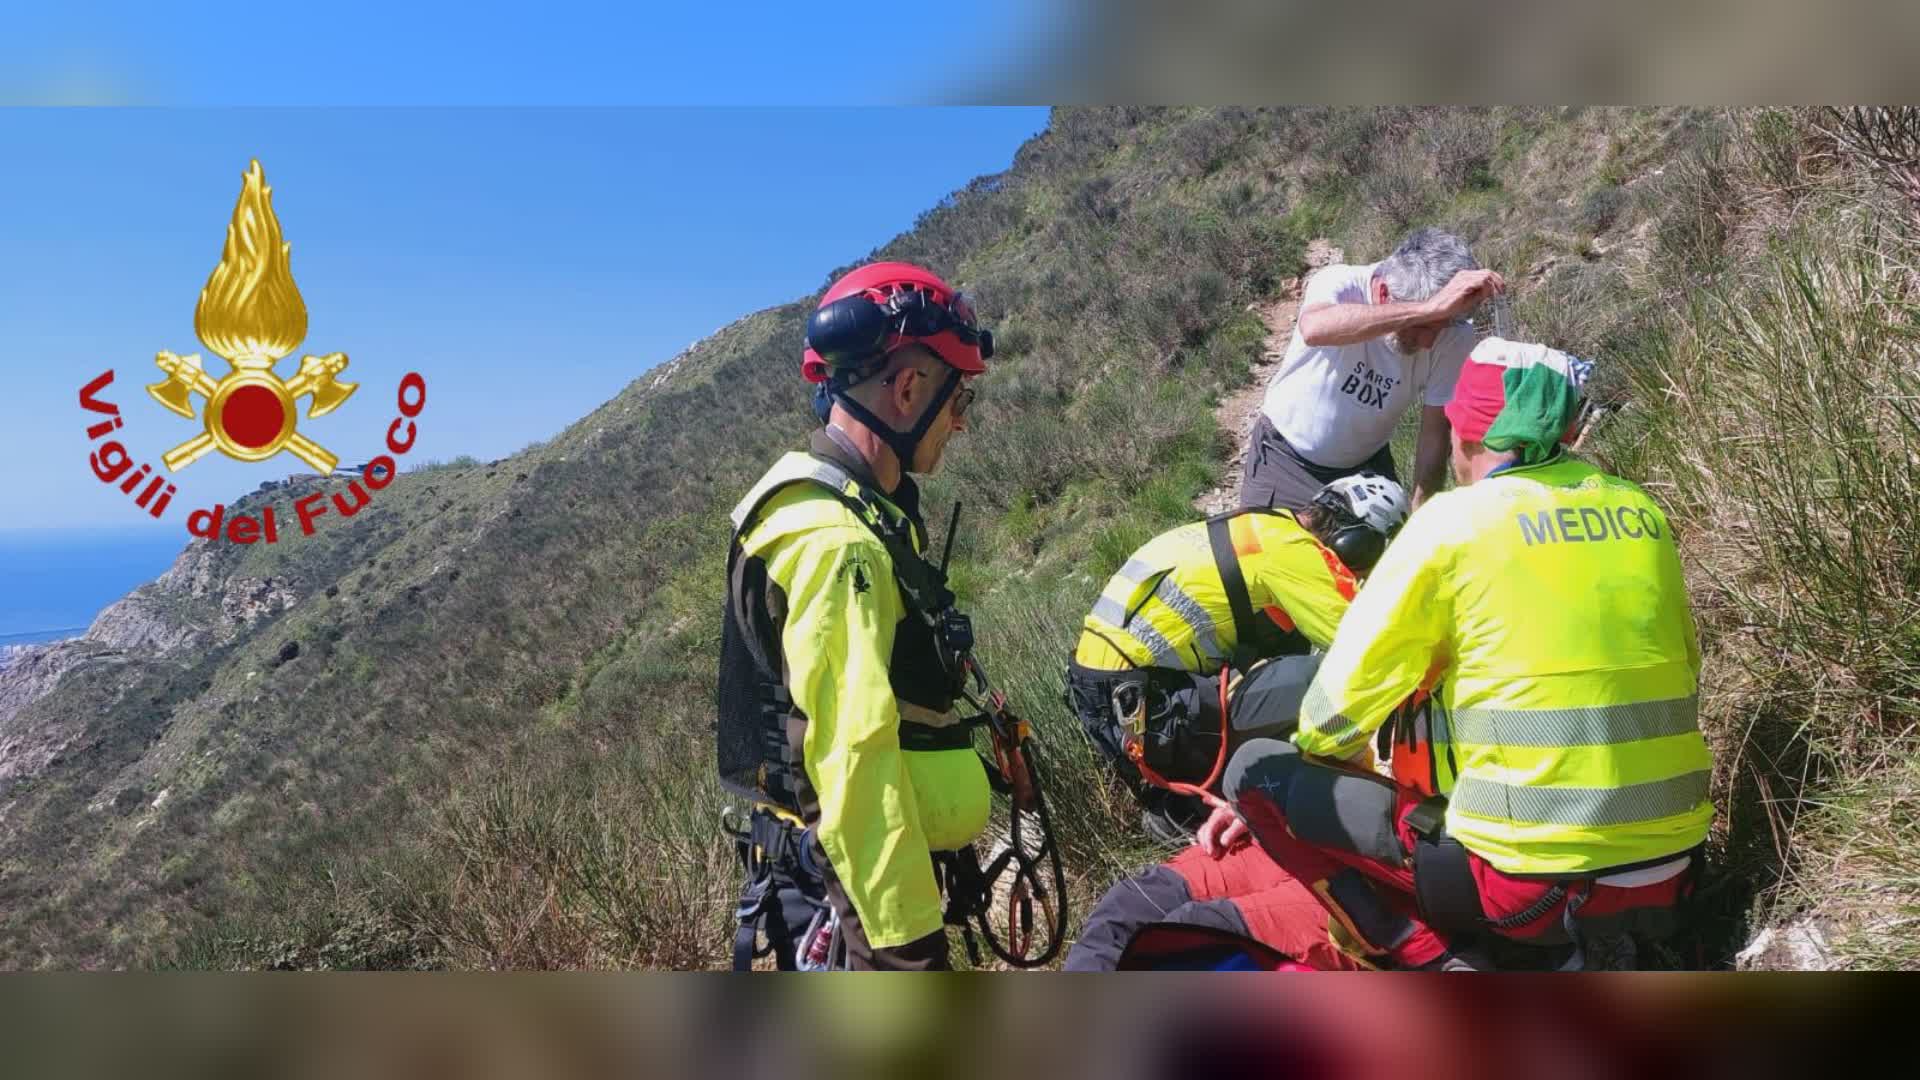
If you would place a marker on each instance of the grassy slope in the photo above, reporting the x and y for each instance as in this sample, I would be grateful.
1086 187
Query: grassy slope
493 747
1776 414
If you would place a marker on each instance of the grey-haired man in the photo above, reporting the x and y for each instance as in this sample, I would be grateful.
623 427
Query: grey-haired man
1370 341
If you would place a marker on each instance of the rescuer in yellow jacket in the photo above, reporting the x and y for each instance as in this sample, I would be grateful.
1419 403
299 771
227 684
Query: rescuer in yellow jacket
1238 588
836 704
1542 604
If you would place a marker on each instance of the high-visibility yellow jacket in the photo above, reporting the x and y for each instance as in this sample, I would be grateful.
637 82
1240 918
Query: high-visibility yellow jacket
883 809
1548 600
1167 607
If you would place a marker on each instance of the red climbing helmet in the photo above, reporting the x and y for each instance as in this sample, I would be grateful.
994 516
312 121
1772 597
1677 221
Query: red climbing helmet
874 310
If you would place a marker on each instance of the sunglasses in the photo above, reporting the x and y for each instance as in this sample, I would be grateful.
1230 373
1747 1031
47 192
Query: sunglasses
962 398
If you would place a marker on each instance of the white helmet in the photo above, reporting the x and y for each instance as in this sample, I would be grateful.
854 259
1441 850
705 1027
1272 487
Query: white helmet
1361 513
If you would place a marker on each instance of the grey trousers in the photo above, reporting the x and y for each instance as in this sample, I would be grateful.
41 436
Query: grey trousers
1278 477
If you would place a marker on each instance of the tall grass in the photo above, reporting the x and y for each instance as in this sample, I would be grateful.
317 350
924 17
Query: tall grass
1777 415
607 863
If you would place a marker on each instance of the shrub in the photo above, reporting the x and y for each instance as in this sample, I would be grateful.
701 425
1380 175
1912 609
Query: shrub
1602 208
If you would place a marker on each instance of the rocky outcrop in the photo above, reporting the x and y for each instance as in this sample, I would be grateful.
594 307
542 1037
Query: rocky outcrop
35 671
157 617
1798 946
143 621
245 601
190 606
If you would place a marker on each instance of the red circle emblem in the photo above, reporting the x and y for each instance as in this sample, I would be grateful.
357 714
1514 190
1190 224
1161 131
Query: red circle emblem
252 417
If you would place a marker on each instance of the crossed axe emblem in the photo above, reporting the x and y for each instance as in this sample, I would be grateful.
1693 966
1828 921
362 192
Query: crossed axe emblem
251 314
250 413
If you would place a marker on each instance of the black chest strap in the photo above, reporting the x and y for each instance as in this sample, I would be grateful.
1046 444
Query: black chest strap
1247 633
1256 638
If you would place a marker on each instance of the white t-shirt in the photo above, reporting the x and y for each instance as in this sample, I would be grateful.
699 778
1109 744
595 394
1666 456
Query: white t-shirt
1338 404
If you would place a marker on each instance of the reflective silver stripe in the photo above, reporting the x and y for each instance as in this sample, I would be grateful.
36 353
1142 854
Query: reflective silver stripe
1109 611
782 474
1580 806
1163 651
1600 725
1195 616
1318 717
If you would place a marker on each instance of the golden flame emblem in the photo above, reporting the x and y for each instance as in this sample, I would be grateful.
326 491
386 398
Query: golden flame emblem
250 313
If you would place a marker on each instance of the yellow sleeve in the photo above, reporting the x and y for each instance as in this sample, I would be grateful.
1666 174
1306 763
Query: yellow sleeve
1395 629
1302 584
842 607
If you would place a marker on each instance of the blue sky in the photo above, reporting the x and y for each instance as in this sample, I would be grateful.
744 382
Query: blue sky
529 262
560 52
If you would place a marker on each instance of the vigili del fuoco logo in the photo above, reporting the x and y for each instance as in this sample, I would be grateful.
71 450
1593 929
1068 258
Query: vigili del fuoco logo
251 315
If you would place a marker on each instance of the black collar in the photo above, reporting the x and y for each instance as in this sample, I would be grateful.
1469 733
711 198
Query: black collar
832 444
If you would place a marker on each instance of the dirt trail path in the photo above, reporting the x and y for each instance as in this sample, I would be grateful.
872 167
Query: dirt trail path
1237 411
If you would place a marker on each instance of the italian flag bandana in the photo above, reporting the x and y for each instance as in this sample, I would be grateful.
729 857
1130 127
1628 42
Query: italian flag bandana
1520 397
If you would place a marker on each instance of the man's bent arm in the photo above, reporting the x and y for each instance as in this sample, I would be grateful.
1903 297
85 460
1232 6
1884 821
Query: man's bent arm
1324 323
1350 324
1387 645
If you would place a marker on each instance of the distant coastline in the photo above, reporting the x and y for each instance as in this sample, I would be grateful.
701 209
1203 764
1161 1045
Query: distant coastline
54 582
41 637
